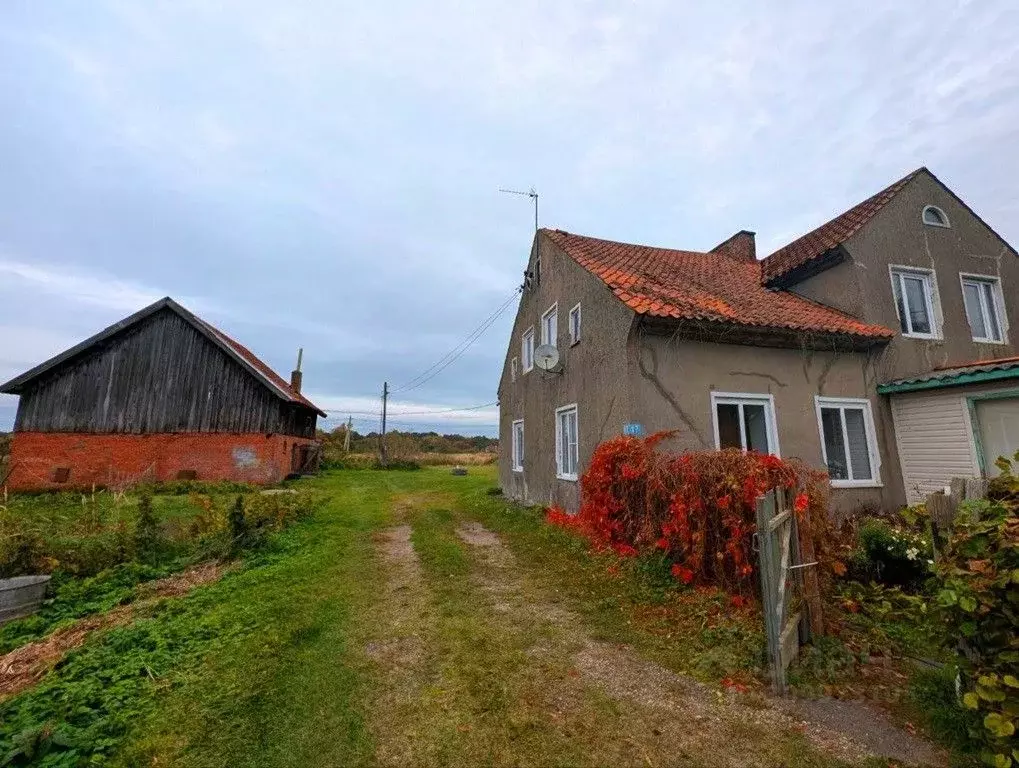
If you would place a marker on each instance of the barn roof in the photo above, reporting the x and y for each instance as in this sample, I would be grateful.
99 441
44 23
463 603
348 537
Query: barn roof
238 352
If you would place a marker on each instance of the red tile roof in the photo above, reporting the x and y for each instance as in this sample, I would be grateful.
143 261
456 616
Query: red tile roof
663 282
266 373
992 362
830 235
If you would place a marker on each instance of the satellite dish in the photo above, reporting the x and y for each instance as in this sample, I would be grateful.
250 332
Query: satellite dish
546 357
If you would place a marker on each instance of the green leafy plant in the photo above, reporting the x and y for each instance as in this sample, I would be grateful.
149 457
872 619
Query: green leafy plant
979 601
148 538
240 531
891 555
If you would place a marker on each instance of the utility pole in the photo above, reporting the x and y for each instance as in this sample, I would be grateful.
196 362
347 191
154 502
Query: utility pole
346 437
382 437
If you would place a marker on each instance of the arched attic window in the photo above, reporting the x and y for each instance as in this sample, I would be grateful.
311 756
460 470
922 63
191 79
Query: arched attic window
935 217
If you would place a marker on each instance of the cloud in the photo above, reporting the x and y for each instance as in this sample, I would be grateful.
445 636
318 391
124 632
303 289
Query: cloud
325 174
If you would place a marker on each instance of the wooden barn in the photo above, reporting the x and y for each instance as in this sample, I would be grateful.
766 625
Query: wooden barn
161 395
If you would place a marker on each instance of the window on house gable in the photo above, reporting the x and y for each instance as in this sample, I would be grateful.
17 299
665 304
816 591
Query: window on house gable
847 441
574 323
915 301
935 217
567 445
513 369
550 325
982 296
746 422
518 445
527 349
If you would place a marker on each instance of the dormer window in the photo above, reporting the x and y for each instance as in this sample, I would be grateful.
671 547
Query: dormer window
935 217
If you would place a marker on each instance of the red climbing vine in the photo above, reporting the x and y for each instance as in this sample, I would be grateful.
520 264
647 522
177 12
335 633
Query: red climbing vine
697 508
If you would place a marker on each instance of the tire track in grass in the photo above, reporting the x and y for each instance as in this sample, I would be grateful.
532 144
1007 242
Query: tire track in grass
399 649
670 719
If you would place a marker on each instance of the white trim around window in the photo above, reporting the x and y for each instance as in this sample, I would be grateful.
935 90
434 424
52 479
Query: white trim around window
518 445
933 216
550 325
915 312
743 400
985 308
861 464
574 324
567 442
527 349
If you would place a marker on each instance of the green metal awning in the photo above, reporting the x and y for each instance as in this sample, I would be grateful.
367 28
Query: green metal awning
974 373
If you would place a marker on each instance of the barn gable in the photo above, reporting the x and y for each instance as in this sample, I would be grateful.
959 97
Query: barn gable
161 370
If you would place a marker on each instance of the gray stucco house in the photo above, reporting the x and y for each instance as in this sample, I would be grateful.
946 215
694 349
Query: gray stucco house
879 345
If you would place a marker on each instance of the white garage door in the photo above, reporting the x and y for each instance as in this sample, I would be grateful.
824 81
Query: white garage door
999 430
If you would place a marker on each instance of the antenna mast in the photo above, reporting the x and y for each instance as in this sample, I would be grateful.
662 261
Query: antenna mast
531 193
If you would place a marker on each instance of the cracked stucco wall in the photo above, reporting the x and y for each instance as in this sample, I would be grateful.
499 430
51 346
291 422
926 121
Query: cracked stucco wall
592 375
673 382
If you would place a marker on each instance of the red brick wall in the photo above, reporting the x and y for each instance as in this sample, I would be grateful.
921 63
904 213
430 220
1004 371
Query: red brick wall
115 459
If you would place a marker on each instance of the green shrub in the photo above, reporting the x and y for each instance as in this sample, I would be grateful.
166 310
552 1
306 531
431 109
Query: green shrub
890 555
979 601
240 533
397 464
148 538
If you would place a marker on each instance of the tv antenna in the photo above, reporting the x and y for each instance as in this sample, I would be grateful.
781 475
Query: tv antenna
531 193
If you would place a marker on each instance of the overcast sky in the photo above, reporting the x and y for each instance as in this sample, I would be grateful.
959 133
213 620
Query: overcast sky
325 174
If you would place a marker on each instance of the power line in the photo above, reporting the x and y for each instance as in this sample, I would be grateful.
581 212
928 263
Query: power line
454 354
416 413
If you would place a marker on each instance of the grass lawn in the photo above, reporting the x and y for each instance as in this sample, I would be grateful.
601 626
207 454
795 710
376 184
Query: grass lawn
378 631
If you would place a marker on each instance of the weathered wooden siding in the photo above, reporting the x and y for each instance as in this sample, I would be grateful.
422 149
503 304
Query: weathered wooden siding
160 376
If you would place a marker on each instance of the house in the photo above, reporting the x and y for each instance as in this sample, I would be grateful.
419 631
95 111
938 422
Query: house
161 395
877 346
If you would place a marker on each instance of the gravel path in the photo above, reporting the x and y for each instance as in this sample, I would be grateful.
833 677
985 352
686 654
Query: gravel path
678 714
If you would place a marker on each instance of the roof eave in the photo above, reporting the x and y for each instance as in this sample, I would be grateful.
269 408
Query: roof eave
724 332
954 380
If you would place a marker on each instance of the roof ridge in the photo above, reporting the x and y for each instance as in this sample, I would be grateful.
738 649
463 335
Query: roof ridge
832 233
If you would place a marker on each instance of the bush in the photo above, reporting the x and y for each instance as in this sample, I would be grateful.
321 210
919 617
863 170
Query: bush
979 601
890 555
699 509
148 538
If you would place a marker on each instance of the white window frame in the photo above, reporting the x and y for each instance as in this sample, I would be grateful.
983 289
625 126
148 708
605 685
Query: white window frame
527 348
999 304
931 299
741 399
553 314
558 442
940 212
514 368
575 312
518 445
871 433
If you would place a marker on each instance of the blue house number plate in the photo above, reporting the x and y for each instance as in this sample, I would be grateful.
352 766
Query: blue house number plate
633 429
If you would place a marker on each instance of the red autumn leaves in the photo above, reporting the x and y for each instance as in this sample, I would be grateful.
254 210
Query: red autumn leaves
698 508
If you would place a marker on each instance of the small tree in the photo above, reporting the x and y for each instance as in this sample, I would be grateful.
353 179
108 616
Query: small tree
148 543
240 532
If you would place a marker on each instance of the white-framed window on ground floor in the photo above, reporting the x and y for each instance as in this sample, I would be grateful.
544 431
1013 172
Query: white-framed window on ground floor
518 445
848 443
567 442
744 420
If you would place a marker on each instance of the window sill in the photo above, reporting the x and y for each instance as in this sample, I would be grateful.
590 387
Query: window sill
989 341
574 343
568 478
518 469
856 484
528 370
922 337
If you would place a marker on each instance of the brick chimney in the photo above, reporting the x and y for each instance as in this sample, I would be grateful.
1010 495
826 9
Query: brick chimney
740 246
295 375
